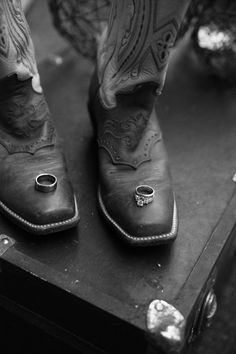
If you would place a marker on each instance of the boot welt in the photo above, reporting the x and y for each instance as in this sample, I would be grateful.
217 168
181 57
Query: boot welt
40 229
141 240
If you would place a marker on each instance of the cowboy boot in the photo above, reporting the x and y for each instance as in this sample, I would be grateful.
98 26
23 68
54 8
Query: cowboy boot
35 191
135 190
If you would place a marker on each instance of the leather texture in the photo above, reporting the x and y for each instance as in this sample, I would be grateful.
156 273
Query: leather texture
29 147
132 153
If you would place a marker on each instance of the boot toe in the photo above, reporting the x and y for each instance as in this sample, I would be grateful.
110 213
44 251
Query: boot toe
154 223
36 211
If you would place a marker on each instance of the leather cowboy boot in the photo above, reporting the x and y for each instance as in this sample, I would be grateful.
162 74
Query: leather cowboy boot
35 191
135 192
29 148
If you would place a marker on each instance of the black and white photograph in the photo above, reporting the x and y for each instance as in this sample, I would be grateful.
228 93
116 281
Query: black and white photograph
117 176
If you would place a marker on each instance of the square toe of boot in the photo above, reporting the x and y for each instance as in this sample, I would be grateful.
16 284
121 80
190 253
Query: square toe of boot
153 219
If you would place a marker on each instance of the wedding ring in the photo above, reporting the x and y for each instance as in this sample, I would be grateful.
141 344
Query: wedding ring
46 183
144 195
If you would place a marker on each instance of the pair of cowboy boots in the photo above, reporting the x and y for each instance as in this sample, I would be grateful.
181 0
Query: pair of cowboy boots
134 193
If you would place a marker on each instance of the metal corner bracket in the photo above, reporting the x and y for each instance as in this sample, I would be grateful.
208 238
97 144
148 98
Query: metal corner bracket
5 243
166 327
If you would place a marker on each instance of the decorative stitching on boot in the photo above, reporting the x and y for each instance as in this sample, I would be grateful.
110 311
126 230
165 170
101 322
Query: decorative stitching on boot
164 39
25 123
14 33
44 227
23 119
129 141
13 146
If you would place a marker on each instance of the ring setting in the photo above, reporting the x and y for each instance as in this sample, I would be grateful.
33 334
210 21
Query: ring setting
46 183
144 195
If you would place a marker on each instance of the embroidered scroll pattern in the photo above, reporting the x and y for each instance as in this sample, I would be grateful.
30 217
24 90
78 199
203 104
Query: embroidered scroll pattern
15 35
136 49
22 119
4 38
129 141
25 124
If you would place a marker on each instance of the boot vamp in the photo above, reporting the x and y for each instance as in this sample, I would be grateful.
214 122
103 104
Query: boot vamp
17 180
118 184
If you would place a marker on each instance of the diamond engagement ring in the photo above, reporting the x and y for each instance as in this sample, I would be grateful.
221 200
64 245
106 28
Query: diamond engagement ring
144 195
46 183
